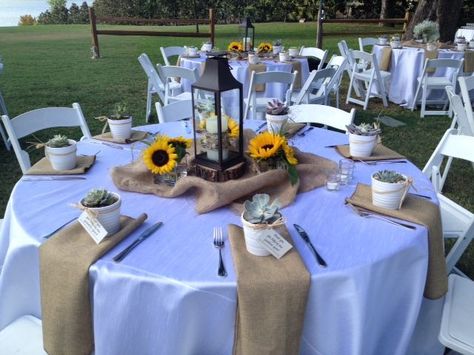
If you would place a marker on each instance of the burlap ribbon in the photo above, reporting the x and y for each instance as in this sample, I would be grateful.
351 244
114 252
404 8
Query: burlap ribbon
469 61
258 68
135 137
380 152
312 171
420 211
431 55
272 297
43 167
385 58
64 273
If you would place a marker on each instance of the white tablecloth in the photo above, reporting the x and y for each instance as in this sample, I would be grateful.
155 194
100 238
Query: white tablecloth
406 66
166 297
467 33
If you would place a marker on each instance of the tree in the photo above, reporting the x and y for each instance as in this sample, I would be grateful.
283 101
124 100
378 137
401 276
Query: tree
426 9
56 4
27 20
74 14
84 13
448 12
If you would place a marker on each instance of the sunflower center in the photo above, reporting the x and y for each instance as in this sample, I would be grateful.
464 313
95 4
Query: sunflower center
160 158
267 146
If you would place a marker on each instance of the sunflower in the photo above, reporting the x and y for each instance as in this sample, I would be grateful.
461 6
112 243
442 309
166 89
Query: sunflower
185 142
235 47
160 157
289 154
202 124
232 127
265 145
264 47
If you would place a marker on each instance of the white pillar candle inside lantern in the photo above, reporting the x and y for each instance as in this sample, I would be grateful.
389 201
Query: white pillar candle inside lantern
247 42
211 124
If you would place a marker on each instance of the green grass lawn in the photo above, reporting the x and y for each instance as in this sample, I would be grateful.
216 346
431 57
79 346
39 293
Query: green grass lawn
52 66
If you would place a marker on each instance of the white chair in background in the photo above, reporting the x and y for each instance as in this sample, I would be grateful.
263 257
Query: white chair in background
461 120
370 76
466 84
315 53
429 82
316 88
256 103
322 114
347 53
175 111
168 52
339 63
170 74
24 336
366 41
36 120
155 84
456 331
457 221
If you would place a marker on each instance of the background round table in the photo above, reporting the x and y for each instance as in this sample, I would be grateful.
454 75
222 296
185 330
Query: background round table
166 298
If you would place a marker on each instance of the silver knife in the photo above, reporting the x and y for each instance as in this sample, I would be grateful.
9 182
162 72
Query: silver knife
145 234
305 237
260 127
52 178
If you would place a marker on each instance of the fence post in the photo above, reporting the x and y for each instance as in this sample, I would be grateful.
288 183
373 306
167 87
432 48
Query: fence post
95 40
319 36
212 24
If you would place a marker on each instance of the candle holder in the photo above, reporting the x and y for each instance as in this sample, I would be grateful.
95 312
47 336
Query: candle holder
247 32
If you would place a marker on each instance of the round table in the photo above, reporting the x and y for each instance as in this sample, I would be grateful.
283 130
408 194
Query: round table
166 298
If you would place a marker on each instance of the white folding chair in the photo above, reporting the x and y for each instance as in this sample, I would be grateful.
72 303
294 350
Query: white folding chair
318 81
347 53
366 41
458 312
155 84
429 82
24 336
175 111
369 76
315 53
322 114
36 120
461 120
168 52
457 221
259 104
170 74
339 63
466 84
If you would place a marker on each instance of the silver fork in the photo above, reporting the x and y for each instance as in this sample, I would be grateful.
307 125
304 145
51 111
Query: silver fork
382 162
306 130
364 213
218 241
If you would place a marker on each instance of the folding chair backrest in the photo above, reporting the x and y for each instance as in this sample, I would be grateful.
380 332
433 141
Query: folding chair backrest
316 53
167 52
154 80
174 111
322 114
268 77
366 41
432 65
336 61
36 120
465 124
317 78
466 84
173 71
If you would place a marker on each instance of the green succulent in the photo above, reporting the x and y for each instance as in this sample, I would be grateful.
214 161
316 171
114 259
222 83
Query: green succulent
260 210
389 176
58 141
98 198
120 111
276 107
364 129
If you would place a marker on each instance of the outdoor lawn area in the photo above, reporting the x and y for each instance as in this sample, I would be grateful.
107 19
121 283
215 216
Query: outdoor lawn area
52 66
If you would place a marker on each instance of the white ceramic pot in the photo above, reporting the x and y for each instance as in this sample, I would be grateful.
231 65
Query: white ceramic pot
62 158
395 44
361 146
461 46
253 58
206 47
252 242
383 41
277 49
431 46
388 195
109 216
121 129
192 51
293 52
284 57
276 123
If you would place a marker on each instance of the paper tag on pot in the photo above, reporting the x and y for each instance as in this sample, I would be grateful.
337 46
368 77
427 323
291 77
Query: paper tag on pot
274 243
92 227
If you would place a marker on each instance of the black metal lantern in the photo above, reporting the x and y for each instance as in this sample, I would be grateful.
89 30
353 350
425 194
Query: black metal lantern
218 150
247 30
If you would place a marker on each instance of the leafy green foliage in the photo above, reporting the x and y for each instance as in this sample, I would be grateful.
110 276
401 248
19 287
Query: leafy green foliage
98 198
389 176
58 141
260 211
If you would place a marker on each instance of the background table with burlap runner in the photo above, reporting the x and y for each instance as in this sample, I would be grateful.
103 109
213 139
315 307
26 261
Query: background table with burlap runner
43 167
420 211
271 299
64 274
135 137
380 152
258 68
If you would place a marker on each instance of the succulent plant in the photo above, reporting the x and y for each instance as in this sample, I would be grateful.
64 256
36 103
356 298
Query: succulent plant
58 141
276 107
260 210
98 198
364 129
277 42
389 176
120 112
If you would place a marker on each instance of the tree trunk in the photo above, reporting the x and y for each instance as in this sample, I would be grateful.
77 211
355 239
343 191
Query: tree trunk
448 16
425 10
385 7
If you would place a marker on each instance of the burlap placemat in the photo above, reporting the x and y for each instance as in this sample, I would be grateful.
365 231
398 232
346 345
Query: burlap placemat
272 297
292 128
258 68
312 171
380 152
297 67
420 211
469 61
64 274
385 58
43 167
135 137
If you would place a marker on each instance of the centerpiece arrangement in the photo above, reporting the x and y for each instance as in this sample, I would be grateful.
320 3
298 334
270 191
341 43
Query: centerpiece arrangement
210 139
235 47
277 116
105 207
277 46
389 189
363 138
120 122
383 40
428 31
166 159
395 42
61 152
264 48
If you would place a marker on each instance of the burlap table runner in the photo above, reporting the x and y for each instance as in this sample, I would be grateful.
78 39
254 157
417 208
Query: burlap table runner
64 273
380 152
292 128
258 68
272 297
43 167
420 211
296 67
468 61
135 137
312 171
385 58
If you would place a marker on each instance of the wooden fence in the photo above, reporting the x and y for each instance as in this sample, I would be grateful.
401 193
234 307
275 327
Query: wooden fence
383 30
140 21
